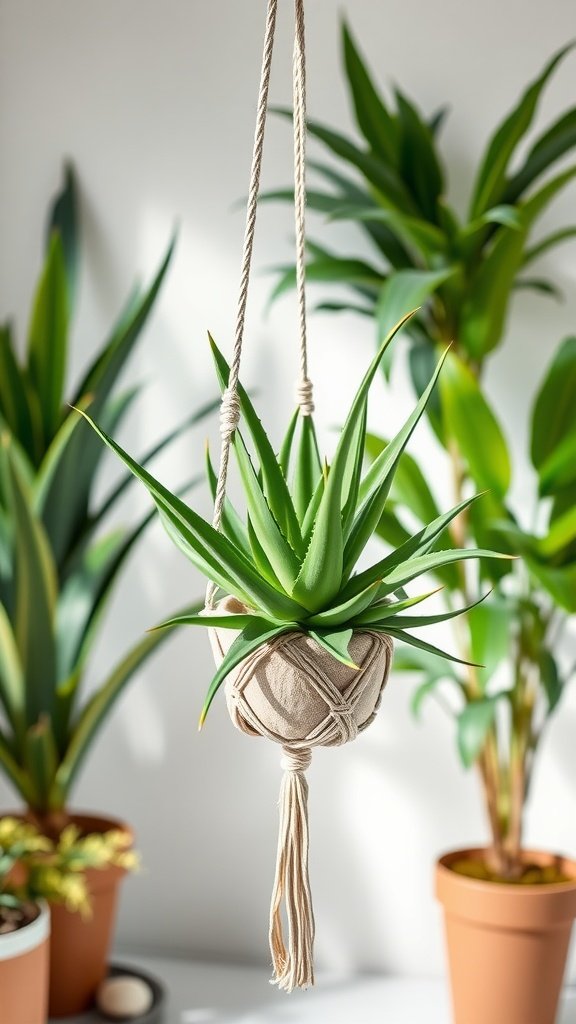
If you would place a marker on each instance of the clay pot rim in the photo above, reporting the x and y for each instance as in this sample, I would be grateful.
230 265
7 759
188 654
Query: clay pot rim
444 869
31 936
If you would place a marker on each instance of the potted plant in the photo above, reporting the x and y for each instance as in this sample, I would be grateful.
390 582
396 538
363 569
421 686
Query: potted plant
59 561
292 599
36 872
463 273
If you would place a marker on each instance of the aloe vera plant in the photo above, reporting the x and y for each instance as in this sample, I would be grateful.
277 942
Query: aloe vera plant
291 560
463 271
59 555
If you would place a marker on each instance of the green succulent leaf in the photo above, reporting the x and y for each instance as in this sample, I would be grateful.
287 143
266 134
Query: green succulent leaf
335 643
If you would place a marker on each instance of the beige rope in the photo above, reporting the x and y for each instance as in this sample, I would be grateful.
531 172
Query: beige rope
230 409
304 392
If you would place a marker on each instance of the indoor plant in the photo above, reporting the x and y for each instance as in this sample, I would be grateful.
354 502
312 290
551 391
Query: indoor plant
34 872
59 561
463 273
298 609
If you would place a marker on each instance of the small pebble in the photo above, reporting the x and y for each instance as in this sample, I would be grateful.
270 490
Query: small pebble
124 998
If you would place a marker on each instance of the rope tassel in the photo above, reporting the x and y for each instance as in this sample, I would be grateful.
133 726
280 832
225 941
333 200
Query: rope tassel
293 966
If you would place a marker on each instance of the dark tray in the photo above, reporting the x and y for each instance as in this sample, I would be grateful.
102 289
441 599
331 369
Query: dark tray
156 1011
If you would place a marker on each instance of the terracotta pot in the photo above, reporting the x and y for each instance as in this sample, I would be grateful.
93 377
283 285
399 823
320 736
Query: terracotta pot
24 956
79 948
507 944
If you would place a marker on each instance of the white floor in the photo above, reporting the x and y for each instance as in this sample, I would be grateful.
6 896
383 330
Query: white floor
210 994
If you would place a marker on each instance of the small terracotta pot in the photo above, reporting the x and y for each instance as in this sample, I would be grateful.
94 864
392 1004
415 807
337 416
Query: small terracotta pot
79 948
24 956
507 944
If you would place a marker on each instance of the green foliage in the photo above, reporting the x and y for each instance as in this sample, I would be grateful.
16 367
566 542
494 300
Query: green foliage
59 557
292 562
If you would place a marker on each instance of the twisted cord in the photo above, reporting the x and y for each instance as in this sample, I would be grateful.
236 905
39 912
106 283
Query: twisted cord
304 391
230 410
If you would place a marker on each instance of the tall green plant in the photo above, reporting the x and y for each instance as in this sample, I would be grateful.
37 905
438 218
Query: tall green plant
59 555
462 273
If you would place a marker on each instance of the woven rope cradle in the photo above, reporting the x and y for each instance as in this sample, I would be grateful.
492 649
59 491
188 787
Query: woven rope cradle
290 690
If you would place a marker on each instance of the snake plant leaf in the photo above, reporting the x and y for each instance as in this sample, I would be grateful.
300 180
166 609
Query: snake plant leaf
552 144
407 289
335 643
41 760
375 486
213 553
253 636
63 220
421 645
373 118
103 373
48 338
276 488
152 453
419 162
15 773
308 468
468 416
93 715
280 555
321 574
347 611
12 688
474 724
14 402
380 176
553 427
35 576
491 180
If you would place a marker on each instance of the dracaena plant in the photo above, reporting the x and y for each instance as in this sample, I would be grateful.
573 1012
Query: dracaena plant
463 271
291 560
60 555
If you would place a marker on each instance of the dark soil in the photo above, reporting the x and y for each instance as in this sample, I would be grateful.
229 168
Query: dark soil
532 874
14 918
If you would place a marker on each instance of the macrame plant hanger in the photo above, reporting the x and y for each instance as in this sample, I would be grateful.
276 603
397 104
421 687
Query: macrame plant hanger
347 709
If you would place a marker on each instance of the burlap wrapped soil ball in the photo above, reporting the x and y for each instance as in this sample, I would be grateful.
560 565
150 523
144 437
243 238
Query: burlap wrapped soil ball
295 693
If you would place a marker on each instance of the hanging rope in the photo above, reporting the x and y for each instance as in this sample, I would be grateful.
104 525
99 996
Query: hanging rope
230 408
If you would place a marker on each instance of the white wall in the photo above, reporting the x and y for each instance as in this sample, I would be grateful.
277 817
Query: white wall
155 102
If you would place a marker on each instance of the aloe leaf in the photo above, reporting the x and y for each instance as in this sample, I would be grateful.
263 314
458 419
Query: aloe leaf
421 645
261 560
374 120
285 456
213 553
281 556
416 621
336 643
213 621
409 487
253 636
375 486
346 611
353 476
63 219
321 574
308 469
48 338
276 488
385 609
415 567
231 525
491 179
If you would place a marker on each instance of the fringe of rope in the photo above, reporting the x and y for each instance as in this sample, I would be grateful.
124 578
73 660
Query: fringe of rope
293 964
